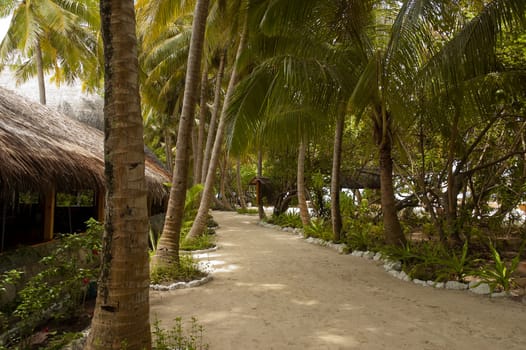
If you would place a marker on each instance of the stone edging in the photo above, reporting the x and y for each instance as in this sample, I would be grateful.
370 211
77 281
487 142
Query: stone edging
394 268
181 285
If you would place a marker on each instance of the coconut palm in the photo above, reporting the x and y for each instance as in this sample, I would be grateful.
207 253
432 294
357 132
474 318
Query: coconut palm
121 316
168 245
52 35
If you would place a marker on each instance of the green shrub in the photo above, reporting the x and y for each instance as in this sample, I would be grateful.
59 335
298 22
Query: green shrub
61 287
205 241
187 270
249 211
287 220
319 228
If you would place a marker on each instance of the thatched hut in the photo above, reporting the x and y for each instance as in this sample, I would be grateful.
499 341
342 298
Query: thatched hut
52 172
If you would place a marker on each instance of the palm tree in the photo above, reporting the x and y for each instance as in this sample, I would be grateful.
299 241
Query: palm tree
52 35
121 316
168 245
202 214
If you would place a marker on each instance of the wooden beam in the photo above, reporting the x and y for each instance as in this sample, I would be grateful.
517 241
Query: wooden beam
49 214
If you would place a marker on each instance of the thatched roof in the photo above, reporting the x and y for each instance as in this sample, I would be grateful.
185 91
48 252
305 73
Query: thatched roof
40 147
66 98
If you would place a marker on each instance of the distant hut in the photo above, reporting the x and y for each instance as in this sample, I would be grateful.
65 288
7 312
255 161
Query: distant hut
52 173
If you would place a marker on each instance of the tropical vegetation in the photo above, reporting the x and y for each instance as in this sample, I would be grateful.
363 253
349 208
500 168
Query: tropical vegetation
395 125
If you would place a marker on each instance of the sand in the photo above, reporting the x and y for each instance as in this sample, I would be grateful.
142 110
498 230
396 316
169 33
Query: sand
272 290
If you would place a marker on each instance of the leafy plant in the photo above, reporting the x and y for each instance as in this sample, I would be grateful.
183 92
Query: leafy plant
204 241
186 270
452 264
500 274
57 291
178 337
318 228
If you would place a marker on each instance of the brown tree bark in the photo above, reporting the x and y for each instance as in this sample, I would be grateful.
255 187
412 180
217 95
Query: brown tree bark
336 215
121 314
302 199
198 156
168 246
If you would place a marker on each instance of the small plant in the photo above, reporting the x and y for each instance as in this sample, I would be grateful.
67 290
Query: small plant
499 275
204 241
187 270
287 220
453 265
318 228
248 211
179 338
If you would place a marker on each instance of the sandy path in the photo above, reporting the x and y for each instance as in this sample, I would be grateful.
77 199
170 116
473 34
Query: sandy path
273 291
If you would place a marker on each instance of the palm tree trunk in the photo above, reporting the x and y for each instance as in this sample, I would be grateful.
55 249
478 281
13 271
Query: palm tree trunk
302 199
392 228
336 215
121 312
198 157
213 117
168 150
40 74
202 214
222 184
168 246
261 210
452 192
240 191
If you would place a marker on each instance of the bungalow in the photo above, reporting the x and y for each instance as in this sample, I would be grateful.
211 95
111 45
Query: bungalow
52 173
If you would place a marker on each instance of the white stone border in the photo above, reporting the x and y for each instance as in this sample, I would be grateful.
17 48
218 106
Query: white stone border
394 268
181 285
202 251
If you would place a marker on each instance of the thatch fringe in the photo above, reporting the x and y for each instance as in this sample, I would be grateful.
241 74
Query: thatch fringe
40 148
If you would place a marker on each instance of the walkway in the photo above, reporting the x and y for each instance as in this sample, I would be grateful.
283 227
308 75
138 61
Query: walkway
273 291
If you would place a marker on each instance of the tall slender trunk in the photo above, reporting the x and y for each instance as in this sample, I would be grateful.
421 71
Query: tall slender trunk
452 188
202 213
40 74
121 314
222 184
168 150
336 215
198 157
213 118
302 199
240 191
392 228
261 210
168 246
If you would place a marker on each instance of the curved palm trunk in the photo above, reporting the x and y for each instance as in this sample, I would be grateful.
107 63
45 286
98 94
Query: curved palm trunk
336 215
40 74
168 245
240 191
198 156
202 214
392 228
213 117
222 185
261 210
302 199
121 314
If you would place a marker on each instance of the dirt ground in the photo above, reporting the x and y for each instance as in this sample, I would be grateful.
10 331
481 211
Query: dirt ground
271 290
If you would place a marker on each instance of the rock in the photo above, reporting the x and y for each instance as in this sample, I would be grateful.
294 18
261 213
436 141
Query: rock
431 283
440 285
394 273
357 253
193 284
377 256
500 294
404 276
369 255
478 287
455 285
393 265
419 282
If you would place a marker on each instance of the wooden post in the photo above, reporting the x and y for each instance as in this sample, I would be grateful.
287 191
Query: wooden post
101 200
49 214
